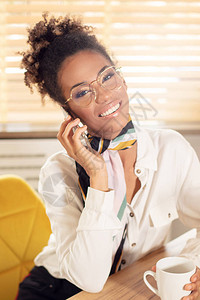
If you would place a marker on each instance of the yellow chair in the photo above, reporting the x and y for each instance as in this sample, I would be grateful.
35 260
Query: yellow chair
24 231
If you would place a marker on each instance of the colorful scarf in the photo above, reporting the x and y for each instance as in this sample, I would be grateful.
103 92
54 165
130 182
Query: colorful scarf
109 150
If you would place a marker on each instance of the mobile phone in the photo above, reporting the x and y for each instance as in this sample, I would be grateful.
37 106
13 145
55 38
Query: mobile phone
84 139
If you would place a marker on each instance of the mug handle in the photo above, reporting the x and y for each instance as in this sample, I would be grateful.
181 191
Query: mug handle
151 273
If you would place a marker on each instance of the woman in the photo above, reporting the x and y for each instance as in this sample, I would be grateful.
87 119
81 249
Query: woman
117 197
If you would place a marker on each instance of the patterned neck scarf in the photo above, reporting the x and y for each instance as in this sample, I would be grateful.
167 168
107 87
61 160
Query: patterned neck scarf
109 150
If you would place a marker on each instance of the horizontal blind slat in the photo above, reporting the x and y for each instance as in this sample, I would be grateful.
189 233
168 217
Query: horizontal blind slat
157 42
115 29
170 52
154 63
141 7
155 30
53 8
34 19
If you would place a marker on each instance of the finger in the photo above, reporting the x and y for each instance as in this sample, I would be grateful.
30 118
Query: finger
68 117
65 135
68 132
79 146
154 268
192 296
190 287
196 275
63 126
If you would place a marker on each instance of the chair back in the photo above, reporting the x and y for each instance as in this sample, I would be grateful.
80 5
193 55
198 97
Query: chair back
24 231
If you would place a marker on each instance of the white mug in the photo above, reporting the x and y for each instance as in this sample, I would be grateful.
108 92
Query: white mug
172 273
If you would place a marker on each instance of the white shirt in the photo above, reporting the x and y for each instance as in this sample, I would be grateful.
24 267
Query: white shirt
85 239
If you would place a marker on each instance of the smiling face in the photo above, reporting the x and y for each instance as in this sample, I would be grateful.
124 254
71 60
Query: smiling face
109 113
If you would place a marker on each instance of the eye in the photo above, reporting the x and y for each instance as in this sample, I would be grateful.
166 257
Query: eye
80 94
107 76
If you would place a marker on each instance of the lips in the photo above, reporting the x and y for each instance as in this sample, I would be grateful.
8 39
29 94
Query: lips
110 110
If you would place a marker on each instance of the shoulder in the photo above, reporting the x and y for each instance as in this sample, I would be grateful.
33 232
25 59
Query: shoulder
59 167
58 181
164 147
172 138
166 140
59 162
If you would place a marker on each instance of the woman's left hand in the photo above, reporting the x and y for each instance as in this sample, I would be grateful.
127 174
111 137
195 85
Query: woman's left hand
194 286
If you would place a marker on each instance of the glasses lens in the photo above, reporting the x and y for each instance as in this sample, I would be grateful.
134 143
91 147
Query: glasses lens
110 79
82 95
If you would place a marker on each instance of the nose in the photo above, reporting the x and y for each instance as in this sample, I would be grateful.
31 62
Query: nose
102 94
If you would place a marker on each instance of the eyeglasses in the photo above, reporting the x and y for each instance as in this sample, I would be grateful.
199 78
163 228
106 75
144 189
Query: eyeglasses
109 79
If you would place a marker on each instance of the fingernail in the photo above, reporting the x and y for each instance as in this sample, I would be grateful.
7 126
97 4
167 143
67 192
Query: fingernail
194 279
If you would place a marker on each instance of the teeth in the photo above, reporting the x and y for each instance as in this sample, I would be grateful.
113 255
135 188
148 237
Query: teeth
110 110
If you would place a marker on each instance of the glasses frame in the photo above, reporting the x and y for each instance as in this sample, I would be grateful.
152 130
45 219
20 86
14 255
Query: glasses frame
117 70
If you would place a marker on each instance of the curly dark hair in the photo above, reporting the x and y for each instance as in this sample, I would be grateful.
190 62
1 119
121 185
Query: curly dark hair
51 41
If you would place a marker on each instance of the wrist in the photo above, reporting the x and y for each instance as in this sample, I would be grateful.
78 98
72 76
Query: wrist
99 181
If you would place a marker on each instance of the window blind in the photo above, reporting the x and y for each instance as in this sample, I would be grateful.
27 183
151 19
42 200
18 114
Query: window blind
157 43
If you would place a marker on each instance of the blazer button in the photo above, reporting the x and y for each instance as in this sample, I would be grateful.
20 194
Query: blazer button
131 214
133 245
123 261
138 171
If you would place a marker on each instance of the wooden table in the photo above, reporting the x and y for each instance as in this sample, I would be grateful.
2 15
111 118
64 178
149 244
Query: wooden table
128 283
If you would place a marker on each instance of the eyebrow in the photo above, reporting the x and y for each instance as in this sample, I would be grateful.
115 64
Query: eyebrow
80 83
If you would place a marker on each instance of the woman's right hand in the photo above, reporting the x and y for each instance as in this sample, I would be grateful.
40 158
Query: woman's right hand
90 160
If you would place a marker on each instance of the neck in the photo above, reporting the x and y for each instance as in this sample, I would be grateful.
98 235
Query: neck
105 135
128 157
